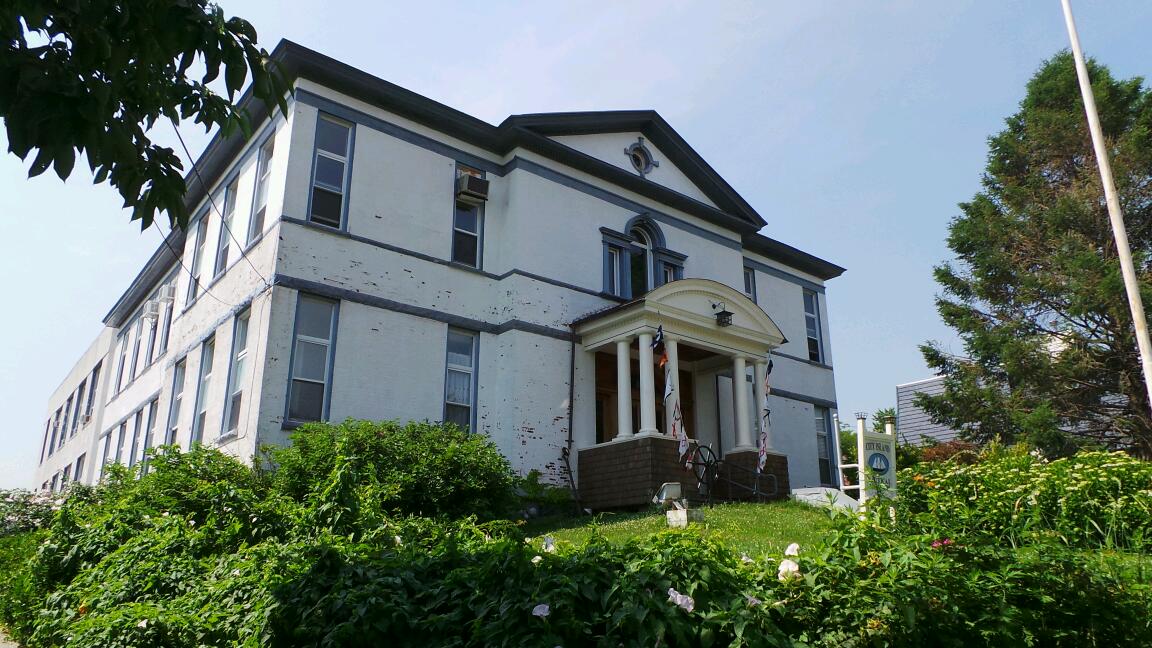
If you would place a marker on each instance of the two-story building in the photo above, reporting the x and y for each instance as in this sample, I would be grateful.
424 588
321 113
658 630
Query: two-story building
375 254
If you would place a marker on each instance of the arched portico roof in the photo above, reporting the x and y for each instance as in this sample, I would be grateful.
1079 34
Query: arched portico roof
687 310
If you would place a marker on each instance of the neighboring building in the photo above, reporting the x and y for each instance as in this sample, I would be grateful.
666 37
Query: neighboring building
914 425
388 257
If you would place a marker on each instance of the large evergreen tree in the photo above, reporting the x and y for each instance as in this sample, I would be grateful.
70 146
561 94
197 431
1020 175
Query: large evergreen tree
1036 292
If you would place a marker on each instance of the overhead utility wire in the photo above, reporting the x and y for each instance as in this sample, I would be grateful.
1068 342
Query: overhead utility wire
212 202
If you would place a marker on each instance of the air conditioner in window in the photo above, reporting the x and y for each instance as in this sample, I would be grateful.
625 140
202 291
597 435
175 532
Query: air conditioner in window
167 293
471 189
85 419
152 310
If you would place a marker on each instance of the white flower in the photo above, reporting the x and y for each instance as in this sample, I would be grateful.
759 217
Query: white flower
792 550
235 572
788 569
745 559
143 623
536 560
751 600
396 541
681 600
541 610
549 544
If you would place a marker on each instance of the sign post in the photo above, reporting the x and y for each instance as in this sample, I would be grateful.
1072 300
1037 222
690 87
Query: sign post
877 457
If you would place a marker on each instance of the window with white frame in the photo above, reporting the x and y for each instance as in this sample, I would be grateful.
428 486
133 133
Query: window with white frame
45 448
149 430
196 269
105 450
120 438
460 379
200 413
78 471
176 401
64 422
236 374
169 306
224 239
312 358
824 452
152 323
92 388
614 271
123 360
134 362
260 196
812 326
466 226
330 171
750 283
59 430
137 430
78 412
640 267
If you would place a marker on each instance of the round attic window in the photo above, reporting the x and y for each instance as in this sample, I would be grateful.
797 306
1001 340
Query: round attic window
641 157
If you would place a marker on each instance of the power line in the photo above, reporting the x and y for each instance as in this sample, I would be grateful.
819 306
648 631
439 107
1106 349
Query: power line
191 276
212 202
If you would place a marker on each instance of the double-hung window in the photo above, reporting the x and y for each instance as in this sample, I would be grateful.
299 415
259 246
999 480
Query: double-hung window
105 451
812 326
92 389
224 239
78 412
197 260
236 374
67 414
330 171
123 432
137 430
169 306
200 414
750 283
823 444
460 379
45 447
466 226
135 360
312 358
150 430
123 344
58 430
78 471
260 197
176 400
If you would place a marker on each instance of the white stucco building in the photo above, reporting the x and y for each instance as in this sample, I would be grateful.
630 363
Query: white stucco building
388 257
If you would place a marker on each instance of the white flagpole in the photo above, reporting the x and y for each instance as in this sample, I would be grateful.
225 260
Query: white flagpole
1131 283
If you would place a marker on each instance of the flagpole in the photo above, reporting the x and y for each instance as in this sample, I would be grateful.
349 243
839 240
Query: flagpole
1131 283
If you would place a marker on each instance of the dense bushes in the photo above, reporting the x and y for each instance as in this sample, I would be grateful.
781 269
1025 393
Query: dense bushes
415 469
1091 499
202 551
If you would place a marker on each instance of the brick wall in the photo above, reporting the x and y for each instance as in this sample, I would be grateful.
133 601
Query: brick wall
626 474
739 468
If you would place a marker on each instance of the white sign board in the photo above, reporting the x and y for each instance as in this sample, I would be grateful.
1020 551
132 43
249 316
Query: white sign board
877 454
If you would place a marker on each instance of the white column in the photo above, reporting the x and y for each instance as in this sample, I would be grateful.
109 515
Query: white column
740 404
647 386
623 388
673 369
761 367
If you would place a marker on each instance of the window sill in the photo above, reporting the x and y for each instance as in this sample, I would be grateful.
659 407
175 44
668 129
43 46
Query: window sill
226 438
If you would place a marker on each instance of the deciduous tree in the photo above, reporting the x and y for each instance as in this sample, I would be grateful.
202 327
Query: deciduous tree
91 78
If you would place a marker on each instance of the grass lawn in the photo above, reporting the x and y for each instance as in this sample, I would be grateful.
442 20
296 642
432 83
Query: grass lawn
754 529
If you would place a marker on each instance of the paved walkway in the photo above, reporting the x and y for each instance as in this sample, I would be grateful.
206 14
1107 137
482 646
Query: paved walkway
5 643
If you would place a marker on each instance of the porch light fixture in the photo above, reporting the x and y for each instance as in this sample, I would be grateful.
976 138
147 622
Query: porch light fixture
723 315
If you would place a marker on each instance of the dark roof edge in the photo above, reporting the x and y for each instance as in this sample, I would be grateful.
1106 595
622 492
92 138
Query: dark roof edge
791 256
154 271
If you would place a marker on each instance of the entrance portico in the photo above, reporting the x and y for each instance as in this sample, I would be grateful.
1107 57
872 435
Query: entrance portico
639 419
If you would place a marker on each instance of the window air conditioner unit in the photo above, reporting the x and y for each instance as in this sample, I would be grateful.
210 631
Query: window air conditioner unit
471 189
152 310
167 293
85 419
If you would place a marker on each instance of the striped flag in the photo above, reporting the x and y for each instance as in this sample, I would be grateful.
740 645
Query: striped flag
765 420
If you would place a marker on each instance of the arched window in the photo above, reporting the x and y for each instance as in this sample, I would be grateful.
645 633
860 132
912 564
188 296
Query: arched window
641 270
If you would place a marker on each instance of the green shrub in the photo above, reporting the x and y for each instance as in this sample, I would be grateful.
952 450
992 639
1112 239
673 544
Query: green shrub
1091 499
414 469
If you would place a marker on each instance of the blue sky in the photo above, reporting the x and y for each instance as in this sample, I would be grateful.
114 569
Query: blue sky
854 128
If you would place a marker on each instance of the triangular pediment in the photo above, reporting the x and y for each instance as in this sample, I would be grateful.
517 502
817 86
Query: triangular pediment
608 137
